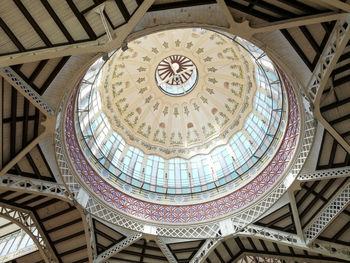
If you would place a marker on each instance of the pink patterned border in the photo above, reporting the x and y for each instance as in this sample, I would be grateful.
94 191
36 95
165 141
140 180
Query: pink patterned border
187 213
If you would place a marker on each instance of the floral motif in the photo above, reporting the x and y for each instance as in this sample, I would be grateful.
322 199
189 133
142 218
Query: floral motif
155 106
141 69
212 80
148 99
146 58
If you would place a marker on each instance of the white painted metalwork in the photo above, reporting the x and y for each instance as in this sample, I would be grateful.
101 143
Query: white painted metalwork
331 249
91 236
328 58
330 55
37 186
325 174
204 251
99 10
261 258
26 90
117 247
295 214
28 223
292 240
272 235
166 251
326 215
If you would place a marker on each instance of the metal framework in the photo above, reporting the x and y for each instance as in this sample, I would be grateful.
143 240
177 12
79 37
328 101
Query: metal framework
292 240
117 247
28 223
26 90
29 185
334 48
237 224
325 174
204 251
333 208
166 251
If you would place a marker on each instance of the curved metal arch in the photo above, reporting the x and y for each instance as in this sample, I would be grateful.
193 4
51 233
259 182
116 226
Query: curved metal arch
26 221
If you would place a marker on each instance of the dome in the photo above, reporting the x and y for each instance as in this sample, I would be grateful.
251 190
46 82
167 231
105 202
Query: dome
184 136
125 96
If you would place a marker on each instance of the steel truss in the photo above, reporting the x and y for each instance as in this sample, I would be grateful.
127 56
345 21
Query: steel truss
166 251
26 220
204 251
26 90
334 48
317 246
131 237
36 186
325 174
326 215
117 247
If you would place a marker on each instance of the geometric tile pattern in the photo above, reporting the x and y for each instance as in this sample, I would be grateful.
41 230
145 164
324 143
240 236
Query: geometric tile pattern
187 213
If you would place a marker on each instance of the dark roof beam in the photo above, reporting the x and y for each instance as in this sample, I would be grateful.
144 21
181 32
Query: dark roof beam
46 163
274 9
31 21
60 213
301 6
252 12
32 200
341 119
25 122
54 229
58 22
82 20
297 49
33 165
316 198
13 122
71 251
311 39
122 8
19 118
12 36
53 74
335 105
179 4
219 256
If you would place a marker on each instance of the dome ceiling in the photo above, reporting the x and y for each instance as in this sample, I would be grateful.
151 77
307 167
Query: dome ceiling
173 91
182 116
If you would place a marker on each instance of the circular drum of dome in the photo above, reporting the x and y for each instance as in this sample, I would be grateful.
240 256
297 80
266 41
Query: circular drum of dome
229 124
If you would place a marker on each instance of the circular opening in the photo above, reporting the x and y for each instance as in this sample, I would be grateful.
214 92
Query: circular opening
176 75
